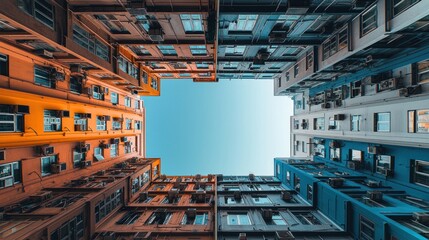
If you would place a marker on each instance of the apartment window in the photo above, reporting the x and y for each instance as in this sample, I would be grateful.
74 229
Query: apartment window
10 174
366 229
382 122
333 124
98 154
128 124
288 176
113 150
335 43
198 49
90 43
154 83
192 23
421 173
75 84
46 163
355 123
295 70
155 170
159 218
143 21
137 125
276 219
335 154
238 219
254 187
11 122
117 123
356 155
278 169
319 123
136 104
98 92
276 187
418 121
297 145
112 24
52 122
81 121
279 82
114 98
200 218
127 147
296 183
78 157
245 23
101 123
277 66
167 50
399 6
4 64
107 205
287 76
304 147
309 60
127 67
235 50
384 164
296 124
42 10
129 218
202 65
309 193
145 77
307 218
230 65
42 76
261 200
368 20
139 50
72 229
127 101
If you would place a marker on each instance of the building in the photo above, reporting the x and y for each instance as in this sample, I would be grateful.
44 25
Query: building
359 142
262 207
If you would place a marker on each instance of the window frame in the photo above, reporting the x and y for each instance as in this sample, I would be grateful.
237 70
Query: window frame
377 122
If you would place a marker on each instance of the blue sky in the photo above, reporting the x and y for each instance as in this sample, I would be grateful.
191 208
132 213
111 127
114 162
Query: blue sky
228 127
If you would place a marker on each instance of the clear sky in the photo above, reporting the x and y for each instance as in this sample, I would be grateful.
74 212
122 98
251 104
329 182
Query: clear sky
228 127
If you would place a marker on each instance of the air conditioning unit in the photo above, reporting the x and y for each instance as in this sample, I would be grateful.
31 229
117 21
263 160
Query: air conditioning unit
58 167
375 195
198 177
57 76
388 84
114 141
325 105
44 150
336 182
277 37
44 53
338 103
373 184
143 196
304 124
374 150
332 127
334 144
284 235
23 109
251 177
355 165
41 196
200 196
172 195
155 33
85 164
104 145
107 118
242 236
237 195
191 213
421 217
297 7
406 92
124 139
287 196
339 117
267 214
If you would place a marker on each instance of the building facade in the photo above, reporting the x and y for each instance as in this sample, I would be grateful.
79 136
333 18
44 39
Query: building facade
359 141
